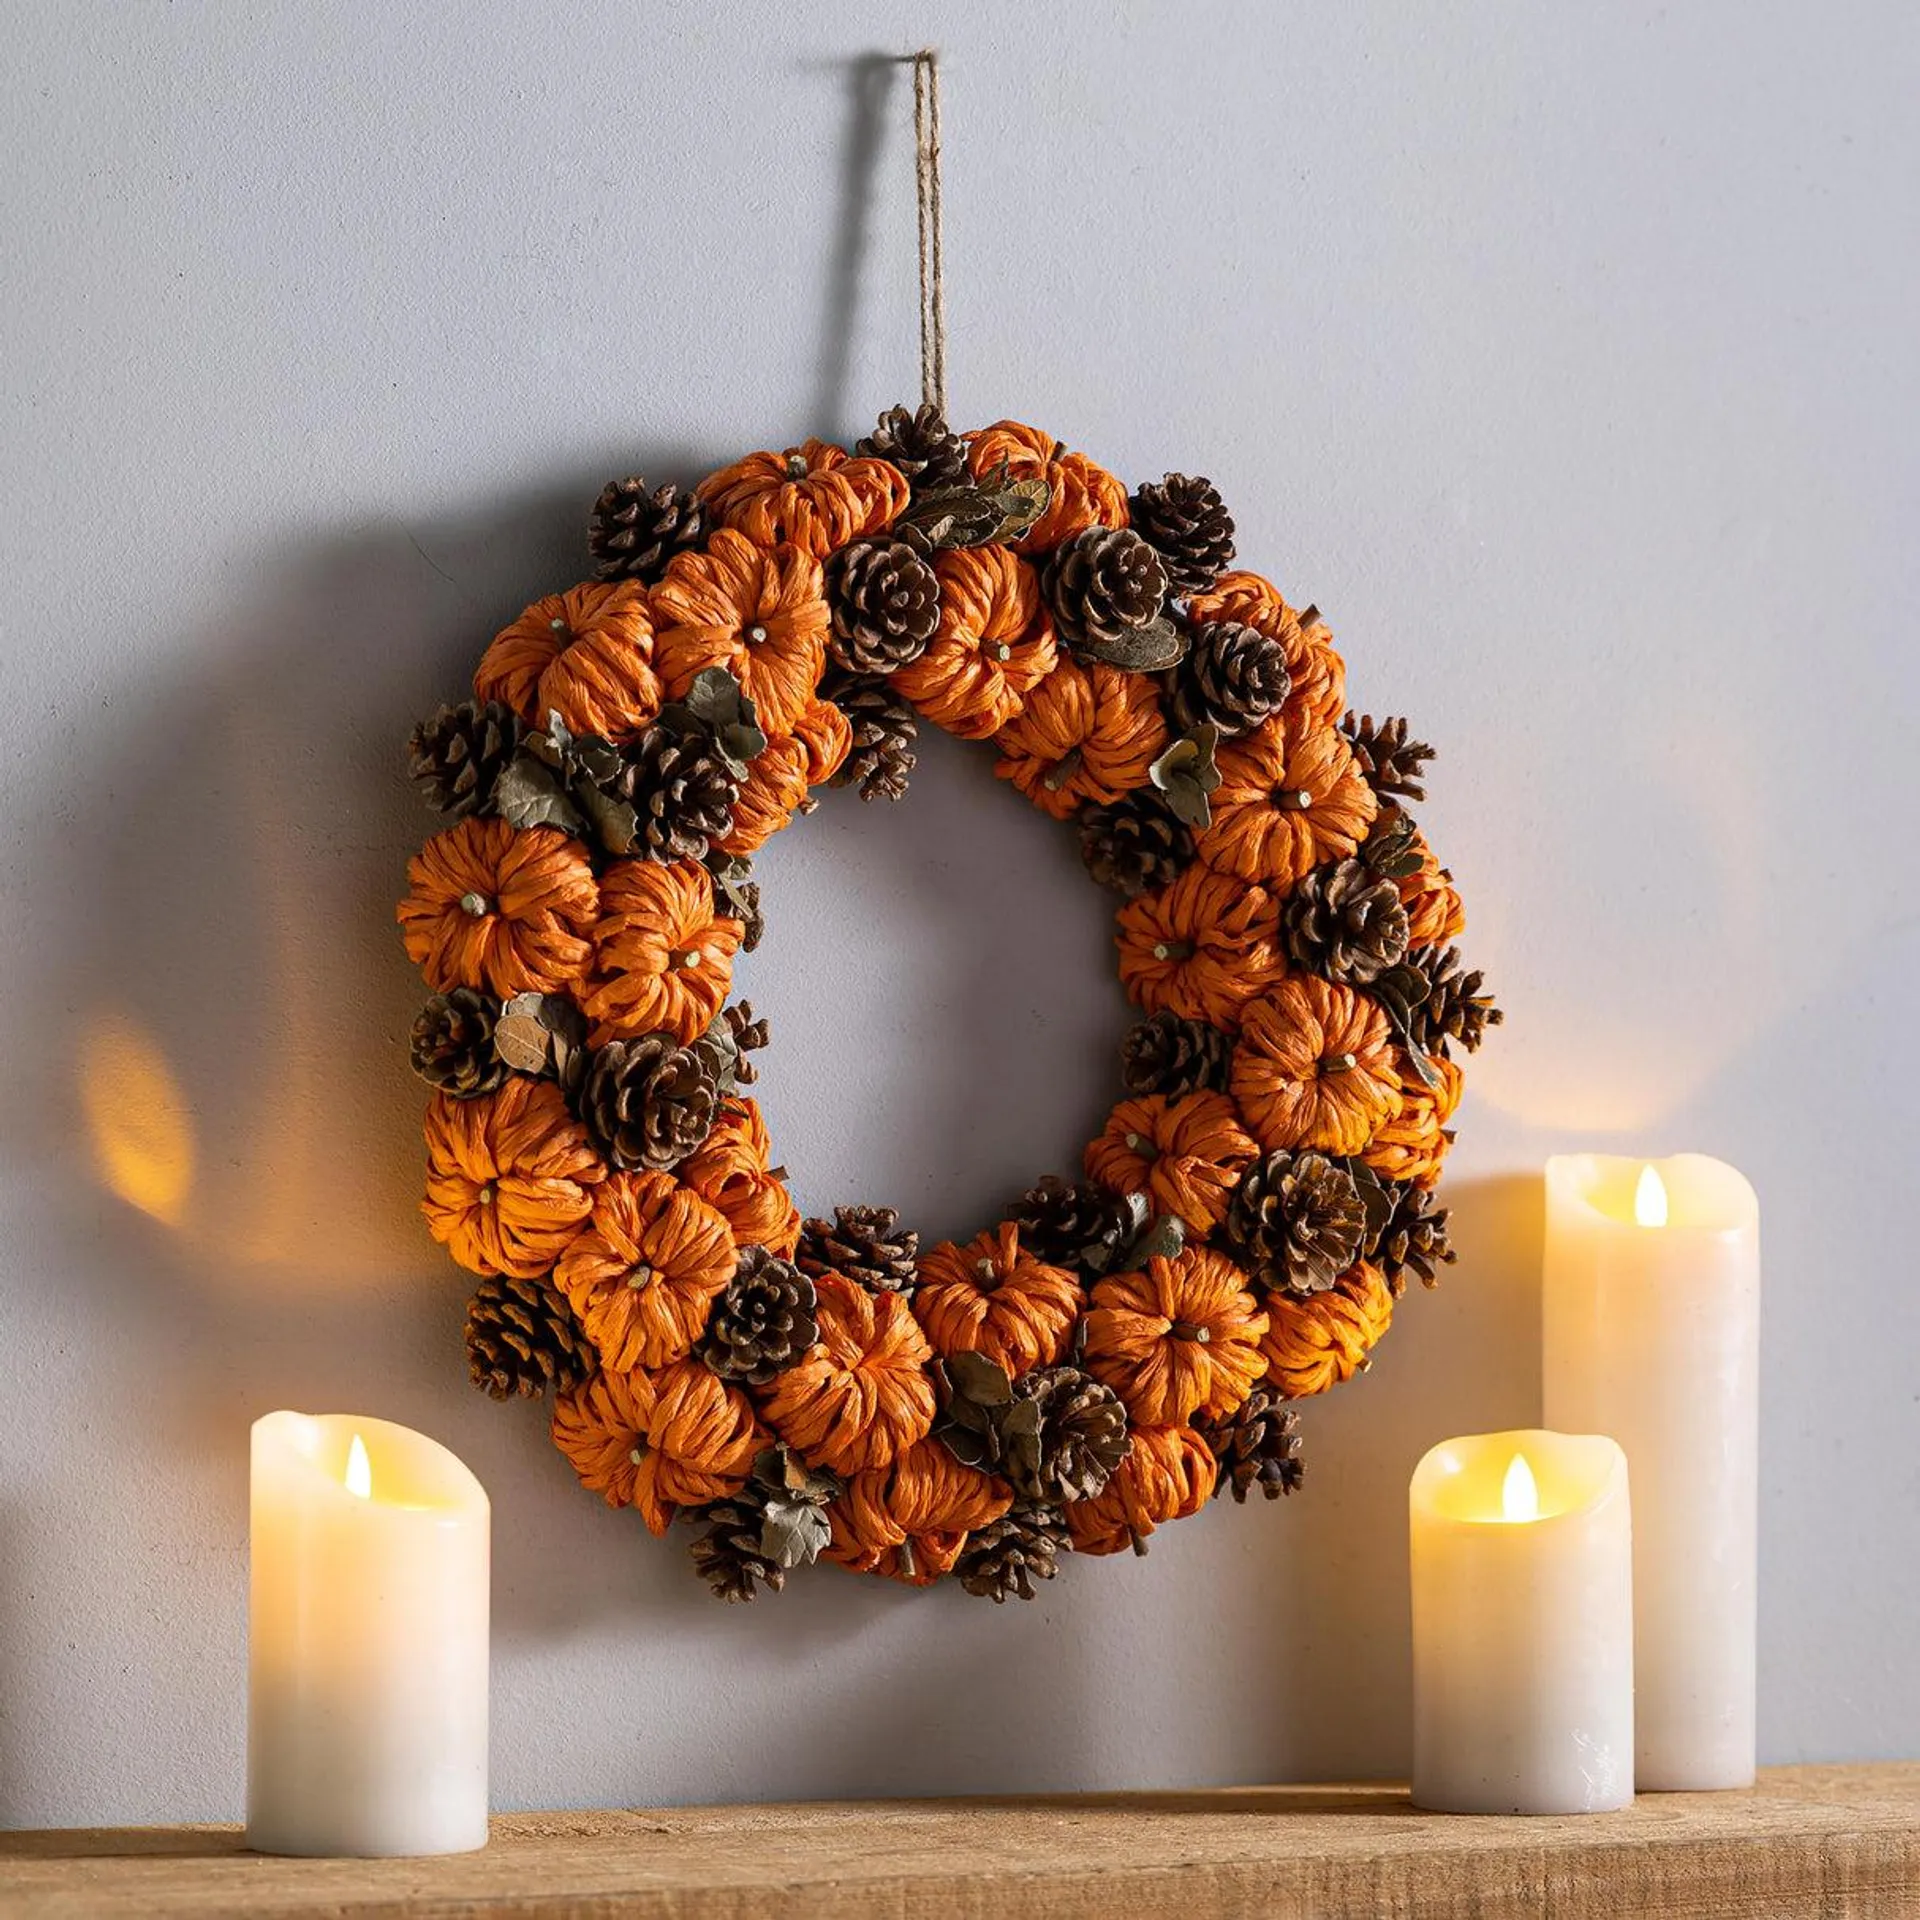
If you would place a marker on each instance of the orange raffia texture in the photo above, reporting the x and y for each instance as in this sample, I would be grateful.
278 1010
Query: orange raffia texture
909 1519
1413 1144
1169 1473
993 646
1185 1153
586 654
1086 736
991 1297
1202 947
1178 1341
814 496
1287 801
1082 494
1318 694
1314 1341
731 1171
1314 1068
662 955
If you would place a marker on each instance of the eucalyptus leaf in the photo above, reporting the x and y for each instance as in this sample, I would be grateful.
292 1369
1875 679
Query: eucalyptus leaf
1151 648
1186 773
539 1032
980 1380
615 823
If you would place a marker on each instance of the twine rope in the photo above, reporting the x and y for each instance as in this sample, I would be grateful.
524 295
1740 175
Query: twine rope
933 283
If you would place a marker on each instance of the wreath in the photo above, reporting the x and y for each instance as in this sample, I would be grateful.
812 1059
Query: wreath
1119 1348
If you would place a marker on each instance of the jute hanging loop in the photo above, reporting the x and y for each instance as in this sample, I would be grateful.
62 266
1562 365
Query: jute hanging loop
933 291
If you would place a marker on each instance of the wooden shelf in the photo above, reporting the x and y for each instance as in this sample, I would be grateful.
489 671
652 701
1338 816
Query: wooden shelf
1807 1840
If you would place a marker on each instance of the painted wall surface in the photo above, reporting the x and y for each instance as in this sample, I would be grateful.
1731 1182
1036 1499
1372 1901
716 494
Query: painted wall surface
1566 357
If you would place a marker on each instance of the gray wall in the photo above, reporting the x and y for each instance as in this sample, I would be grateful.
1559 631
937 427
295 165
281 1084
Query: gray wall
1565 356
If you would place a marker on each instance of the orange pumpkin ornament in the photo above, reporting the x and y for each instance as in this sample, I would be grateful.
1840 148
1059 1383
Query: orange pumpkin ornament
1314 1067
657 1442
1081 495
862 1396
756 611
825 737
1169 1473
1318 693
1435 912
1202 946
510 1178
731 1172
1178 1340
509 912
992 647
1086 735
1288 799
586 654
991 1297
815 496
774 790
1316 1340
1186 1153
662 956
643 1273
909 1519
1413 1145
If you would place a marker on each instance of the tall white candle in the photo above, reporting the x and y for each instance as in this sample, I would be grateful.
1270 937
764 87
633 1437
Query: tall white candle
367 1654
1522 1552
1651 1326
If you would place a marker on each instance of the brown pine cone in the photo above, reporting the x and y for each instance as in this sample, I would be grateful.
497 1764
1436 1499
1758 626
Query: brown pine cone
1411 1238
1008 1555
1233 678
1443 1004
458 755
522 1339
1296 1222
884 730
1259 1446
918 441
1063 1436
1346 923
1186 522
683 789
885 601
1076 1224
1393 764
452 1046
633 533
749 1036
1166 1054
648 1102
1102 584
1133 844
866 1245
763 1322
727 1551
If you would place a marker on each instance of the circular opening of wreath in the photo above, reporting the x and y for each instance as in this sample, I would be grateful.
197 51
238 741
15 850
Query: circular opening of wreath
1121 1346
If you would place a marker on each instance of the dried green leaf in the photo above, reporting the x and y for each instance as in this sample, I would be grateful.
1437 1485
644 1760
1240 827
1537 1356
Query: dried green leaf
1020 1441
1186 773
793 1532
782 1470
1165 1239
529 794
717 706
979 1380
539 1033
984 512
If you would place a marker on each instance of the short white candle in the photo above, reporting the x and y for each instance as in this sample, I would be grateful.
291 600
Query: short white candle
367 1652
1651 1329
1522 1549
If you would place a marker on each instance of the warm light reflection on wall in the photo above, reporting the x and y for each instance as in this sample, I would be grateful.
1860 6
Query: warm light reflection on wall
137 1117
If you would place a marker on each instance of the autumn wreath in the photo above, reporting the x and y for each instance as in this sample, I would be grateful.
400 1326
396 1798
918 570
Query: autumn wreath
1119 1348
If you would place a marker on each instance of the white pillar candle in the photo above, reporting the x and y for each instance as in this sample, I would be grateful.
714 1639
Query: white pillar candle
1522 1550
367 1654
1651 1328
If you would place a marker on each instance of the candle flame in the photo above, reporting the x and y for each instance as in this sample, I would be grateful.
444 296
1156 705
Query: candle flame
359 1470
1650 1198
1519 1494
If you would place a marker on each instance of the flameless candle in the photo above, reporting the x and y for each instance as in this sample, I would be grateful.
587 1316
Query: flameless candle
367 1704
1522 1625
1651 1326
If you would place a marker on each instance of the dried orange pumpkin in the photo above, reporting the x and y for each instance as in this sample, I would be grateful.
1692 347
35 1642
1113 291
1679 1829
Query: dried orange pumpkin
1314 1067
586 654
1186 1153
489 907
1202 946
909 1519
1288 799
730 1171
644 1271
662 957
1435 912
863 1396
814 495
1178 1340
1318 695
1086 734
1413 1145
510 1178
756 611
1082 494
1169 1473
993 645
992 1297
774 790
825 736
656 1442
1316 1340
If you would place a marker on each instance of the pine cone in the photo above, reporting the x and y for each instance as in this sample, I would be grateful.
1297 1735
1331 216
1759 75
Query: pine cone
522 1339
1166 1054
634 533
1133 844
749 1036
453 1044
1102 584
1443 1004
1076 1224
1259 1446
918 441
1069 1443
866 1245
1411 1238
1296 1221
1188 526
1346 923
1392 763
737 894
727 1551
884 730
683 790
648 1102
763 1322
885 600
458 755
1233 678
1008 1555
